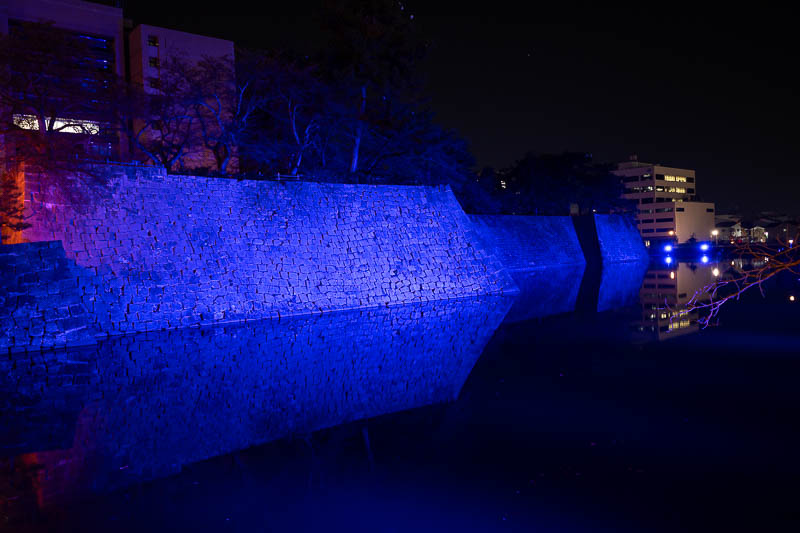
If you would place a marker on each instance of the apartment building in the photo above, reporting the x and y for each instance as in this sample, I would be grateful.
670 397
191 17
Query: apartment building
666 206
107 32
93 39
101 24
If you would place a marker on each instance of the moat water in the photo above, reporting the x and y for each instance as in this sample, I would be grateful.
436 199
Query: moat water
578 405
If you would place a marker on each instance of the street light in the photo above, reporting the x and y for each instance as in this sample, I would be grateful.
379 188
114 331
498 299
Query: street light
715 233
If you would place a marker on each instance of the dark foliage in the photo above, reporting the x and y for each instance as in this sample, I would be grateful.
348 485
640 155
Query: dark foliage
352 113
551 184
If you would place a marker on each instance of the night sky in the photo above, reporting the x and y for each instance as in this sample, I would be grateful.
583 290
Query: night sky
702 88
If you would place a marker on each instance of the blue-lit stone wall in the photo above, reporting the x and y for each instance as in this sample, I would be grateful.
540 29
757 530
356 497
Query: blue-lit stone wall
142 406
619 239
40 298
529 242
170 251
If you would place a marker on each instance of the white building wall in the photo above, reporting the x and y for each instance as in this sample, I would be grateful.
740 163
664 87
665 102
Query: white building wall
694 219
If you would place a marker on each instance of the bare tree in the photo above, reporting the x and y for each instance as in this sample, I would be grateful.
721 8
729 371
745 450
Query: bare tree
295 101
373 49
163 114
766 263
227 96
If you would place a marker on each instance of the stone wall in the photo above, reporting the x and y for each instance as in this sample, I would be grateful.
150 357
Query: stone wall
40 298
529 242
619 239
170 251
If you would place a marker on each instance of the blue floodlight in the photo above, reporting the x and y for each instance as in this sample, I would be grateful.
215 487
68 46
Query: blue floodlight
704 259
704 246
668 260
668 248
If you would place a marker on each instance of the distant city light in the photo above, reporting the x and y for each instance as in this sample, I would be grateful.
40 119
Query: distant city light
704 259
672 275
671 233
668 248
791 298
715 272
791 242
715 233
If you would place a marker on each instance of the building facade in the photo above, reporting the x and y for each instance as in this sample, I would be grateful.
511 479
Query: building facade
133 53
102 23
151 51
666 206
76 86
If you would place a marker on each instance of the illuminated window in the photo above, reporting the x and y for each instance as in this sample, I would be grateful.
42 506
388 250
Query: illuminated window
29 122
153 62
152 40
679 179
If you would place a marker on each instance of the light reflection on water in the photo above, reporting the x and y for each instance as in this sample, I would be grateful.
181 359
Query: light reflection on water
142 407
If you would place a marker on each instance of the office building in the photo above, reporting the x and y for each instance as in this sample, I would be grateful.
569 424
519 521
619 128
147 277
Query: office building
666 206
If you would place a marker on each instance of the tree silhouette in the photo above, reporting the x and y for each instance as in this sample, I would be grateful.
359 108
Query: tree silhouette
767 262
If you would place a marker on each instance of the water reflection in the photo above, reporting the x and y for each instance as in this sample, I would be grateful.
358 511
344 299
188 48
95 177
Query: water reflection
619 285
141 407
544 292
664 293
